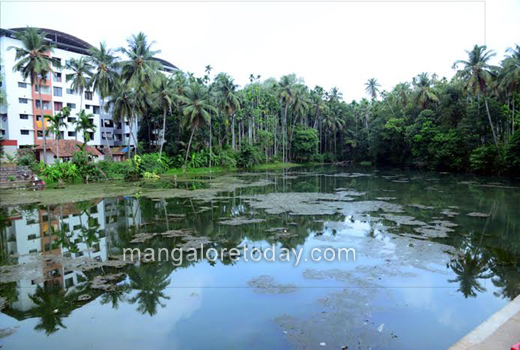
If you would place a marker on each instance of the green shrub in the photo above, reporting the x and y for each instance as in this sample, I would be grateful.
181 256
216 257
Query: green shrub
26 157
305 143
66 171
329 157
115 170
486 159
249 156
317 158
227 159
88 170
153 164
512 153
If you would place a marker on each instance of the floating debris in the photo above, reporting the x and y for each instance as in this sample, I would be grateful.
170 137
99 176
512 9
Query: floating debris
240 220
267 284
478 215
421 206
107 282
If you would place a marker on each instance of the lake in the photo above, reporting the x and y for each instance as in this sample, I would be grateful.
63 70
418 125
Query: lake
436 254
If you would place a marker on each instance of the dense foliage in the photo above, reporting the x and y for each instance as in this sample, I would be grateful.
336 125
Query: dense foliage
466 123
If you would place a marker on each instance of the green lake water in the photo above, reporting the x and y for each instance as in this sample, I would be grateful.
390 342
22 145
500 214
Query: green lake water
425 274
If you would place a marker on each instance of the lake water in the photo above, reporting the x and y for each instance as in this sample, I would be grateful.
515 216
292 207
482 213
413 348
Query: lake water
425 272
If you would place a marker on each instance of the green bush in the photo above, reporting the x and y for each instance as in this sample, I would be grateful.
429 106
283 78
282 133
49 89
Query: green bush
116 170
486 159
227 159
512 153
153 164
249 156
329 157
26 157
66 171
305 143
88 170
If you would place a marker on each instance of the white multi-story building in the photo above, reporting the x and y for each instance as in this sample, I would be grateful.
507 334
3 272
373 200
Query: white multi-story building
21 120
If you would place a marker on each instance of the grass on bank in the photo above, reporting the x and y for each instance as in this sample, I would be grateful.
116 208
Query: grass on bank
213 170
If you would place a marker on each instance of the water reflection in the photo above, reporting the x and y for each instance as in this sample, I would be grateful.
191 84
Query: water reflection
488 259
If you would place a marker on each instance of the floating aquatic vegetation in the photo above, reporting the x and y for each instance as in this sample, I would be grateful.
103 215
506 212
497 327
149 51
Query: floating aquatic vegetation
240 220
444 223
433 231
478 215
421 206
449 213
403 220
386 198
336 274
267 284
107 282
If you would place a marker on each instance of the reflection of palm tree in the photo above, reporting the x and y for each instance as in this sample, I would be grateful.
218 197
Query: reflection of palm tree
52 305
507 274
469 269
149 280
115 295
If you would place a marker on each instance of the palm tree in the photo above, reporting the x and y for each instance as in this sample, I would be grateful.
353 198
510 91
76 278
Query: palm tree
510 78
56 122
372 88
122 103
229 101
317 103
140 73
85 126
197 109
81 77
34 62
105 76
286 98
140 70
478 74
424 94
164 97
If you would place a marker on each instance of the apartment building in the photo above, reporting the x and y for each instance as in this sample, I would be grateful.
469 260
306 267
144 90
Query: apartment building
22 119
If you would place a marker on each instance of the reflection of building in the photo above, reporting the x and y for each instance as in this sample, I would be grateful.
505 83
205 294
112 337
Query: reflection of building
28 233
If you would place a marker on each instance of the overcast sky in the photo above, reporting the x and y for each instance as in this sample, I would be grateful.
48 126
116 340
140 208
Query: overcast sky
329 44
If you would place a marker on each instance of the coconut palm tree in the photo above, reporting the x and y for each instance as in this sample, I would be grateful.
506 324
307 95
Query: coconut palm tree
105 76
285 96
122 103
56 122
197 108
84 125
424 94
81 76
478 74
510 78
226 91
34 62
372 88
164 97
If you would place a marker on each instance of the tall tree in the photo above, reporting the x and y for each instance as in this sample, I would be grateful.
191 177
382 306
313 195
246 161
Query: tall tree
56 122
510 78
122 104
164 97
81 76
85 125
229 101
104 78
372 88
34 62
197 108
478 73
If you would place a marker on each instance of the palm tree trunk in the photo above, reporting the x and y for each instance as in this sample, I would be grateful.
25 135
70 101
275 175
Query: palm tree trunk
233 144
491 123
189 146
43 123
100 125
163 134
210 140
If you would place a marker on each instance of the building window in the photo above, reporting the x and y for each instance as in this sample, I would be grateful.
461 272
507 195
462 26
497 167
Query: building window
57 91
24 132
44 105
44 89
57 60
24 116
23 100
2 132
40 133
3 116
88 95
96 109
91 120
70 92
38 118
71 105
71 120
57 77
22 85
91 135
71 133
58 106
87 106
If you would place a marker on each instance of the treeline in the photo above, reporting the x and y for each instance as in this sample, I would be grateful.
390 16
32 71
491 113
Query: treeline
468 123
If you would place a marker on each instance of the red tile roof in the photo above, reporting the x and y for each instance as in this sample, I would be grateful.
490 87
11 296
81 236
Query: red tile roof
68 147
